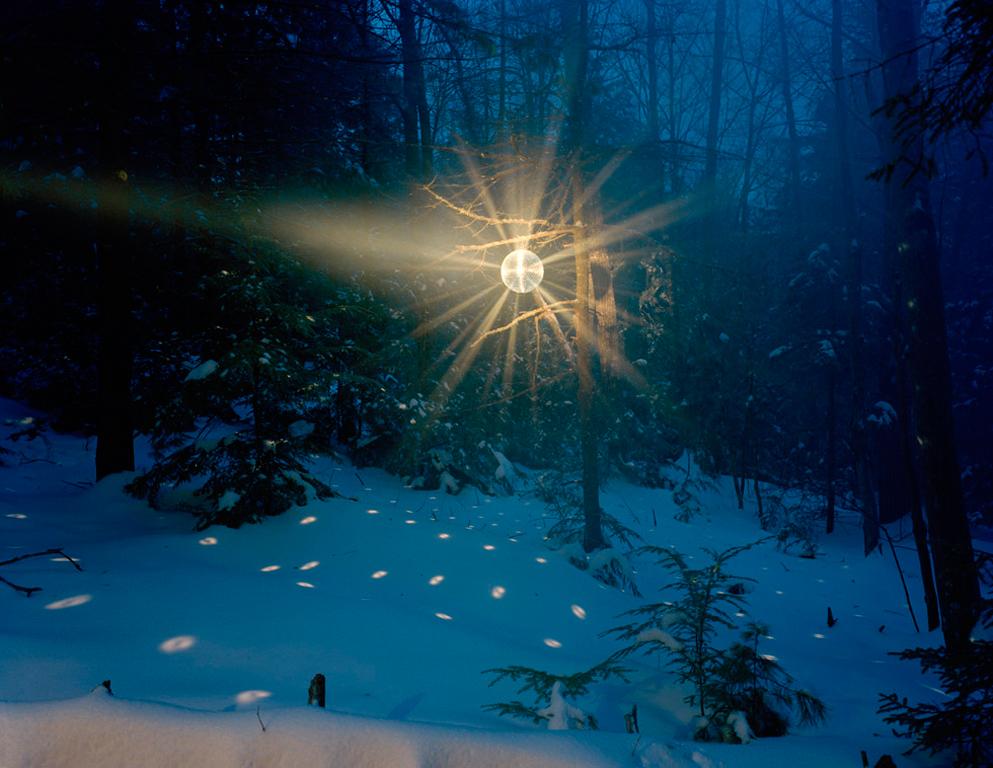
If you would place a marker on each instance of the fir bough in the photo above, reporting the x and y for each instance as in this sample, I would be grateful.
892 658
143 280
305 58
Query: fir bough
548 694
961 724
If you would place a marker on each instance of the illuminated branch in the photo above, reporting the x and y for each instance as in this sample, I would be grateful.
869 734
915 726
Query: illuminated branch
547 235
545 309
495 221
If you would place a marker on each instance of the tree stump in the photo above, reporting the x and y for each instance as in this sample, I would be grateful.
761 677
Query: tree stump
315 693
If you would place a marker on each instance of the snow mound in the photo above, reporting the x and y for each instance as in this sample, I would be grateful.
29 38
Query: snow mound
100 730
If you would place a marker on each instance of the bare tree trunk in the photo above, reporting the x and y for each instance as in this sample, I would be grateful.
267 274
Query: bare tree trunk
575 17
709 240
849 243
676 179
832 449
908 214
414 112
501 130
115 444
714 112
652 66
794 141
592 530
752 79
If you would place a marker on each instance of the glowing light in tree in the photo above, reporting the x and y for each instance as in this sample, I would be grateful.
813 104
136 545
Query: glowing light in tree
522 271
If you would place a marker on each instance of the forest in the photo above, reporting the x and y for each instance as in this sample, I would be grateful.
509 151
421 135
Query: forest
719 265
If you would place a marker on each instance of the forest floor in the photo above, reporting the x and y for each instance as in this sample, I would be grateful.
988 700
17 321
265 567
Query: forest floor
402 599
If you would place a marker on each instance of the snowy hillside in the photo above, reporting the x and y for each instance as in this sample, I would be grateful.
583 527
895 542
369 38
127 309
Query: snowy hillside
402 599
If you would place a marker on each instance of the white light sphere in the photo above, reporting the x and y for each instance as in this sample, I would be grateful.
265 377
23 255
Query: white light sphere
522 271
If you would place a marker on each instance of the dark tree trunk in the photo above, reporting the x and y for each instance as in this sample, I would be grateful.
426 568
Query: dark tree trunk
115 445
675 168
710 222
714 111
414 111
832 450
908 215
794 141
848 244
652 65
575 22
592 529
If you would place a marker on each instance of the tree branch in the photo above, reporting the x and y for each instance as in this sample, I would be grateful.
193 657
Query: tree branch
542 310
494 220
28 591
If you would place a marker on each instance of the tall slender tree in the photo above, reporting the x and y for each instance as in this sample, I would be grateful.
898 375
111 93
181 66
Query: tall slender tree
912 234
115 444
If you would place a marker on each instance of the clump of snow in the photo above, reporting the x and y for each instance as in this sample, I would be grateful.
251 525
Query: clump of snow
300 428
449 483
883 414
228 499
202 371
739 725
656 635
561 715
779 351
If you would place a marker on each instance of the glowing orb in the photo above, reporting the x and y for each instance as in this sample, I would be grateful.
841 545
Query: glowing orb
522 271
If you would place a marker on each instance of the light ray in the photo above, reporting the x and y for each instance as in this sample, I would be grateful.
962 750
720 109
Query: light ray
433 324
457 370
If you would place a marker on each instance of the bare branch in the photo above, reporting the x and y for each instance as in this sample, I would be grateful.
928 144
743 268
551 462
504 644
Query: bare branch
542 310
54 551
496 221
546 235
28 591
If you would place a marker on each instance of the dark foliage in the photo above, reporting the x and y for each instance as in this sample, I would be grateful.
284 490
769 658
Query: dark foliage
960 725
723 681
541 684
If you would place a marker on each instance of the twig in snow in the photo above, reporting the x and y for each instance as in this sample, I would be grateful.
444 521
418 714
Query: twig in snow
903 581
83 484
54 551
28 591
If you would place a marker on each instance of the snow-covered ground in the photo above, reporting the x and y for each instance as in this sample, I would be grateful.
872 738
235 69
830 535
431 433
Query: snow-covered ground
401 599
